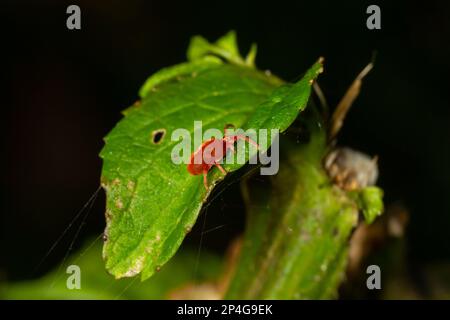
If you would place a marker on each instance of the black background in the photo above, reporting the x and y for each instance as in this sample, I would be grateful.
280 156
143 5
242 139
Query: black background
65 90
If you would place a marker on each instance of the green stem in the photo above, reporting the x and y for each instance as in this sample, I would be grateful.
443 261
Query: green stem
295 245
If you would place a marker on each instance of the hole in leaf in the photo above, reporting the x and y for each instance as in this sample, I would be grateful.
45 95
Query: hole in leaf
158 135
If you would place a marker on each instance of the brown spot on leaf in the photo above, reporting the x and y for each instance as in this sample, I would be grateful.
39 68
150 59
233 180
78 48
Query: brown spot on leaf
104 183
119 204
108 214
130 185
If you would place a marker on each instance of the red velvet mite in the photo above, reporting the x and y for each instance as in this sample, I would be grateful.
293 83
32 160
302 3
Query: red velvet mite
211 152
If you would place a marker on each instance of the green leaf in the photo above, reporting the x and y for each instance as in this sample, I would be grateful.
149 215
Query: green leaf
97 284
296 240
170 73
251 56
370 201
225 48
151 202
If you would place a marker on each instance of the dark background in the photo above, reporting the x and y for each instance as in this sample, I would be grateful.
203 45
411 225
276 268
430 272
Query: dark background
65 90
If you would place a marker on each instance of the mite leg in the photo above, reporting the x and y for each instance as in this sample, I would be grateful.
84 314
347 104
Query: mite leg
205 179
220 168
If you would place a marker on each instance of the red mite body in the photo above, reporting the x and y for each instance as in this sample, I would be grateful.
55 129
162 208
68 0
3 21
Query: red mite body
210 153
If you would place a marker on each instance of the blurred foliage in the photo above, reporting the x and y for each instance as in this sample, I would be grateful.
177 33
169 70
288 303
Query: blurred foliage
183 269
